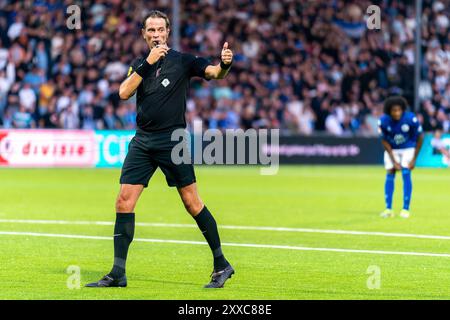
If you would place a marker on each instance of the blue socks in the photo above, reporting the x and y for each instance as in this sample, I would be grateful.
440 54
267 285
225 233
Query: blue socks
389 189
407 188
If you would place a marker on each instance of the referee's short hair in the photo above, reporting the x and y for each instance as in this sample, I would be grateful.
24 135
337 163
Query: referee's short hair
156 14
394 101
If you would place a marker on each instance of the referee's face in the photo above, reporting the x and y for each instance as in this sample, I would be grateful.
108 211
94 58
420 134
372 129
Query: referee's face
155 32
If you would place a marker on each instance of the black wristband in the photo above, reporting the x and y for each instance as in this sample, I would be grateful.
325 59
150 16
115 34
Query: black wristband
225 66
143 69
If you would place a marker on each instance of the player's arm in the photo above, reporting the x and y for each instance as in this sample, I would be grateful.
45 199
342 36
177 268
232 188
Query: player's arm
129 86
445 152
221 70
135 75
419 134
419 144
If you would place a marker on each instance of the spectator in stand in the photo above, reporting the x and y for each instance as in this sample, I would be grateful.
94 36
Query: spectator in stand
27 98
22 118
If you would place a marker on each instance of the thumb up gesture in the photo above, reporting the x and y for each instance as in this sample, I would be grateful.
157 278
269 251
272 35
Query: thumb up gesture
227 54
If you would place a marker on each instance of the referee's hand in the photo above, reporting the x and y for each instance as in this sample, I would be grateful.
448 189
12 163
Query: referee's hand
157 53
227 54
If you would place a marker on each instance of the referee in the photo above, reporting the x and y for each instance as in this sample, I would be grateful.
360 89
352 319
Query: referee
160 81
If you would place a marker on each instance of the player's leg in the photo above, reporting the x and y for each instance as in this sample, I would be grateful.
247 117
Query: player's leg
124 226
205 221
208 226
182 176
389 186
123 235
137 170
407 192
407 156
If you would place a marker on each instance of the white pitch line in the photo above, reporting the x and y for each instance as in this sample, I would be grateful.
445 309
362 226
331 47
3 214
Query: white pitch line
248 245
252 228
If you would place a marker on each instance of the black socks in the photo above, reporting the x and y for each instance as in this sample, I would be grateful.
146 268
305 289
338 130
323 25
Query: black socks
123 235
208 227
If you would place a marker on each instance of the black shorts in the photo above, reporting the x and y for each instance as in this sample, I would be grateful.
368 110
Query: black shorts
149 150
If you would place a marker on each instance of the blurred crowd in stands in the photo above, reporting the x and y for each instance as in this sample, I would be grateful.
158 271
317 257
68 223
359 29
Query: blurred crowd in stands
302 66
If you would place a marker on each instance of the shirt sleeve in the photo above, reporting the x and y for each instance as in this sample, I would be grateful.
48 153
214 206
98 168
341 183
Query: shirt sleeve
133 66
381 129
197 66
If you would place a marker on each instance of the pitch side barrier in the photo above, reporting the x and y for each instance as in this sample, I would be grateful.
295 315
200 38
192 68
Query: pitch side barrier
330 150
108 148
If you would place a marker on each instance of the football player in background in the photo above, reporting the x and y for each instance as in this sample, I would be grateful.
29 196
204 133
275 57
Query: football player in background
402 139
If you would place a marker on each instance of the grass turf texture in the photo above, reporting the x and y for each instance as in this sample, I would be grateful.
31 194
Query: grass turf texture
343 198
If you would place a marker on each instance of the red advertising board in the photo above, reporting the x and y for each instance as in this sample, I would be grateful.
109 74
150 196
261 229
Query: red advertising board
47 148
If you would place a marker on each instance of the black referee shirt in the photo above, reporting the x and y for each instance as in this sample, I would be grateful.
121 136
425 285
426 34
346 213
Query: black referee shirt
161 96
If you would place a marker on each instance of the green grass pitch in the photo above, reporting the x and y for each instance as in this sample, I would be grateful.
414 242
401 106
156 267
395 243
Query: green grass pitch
278 265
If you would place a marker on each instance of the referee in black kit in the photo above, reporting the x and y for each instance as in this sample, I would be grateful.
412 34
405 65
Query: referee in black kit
161 81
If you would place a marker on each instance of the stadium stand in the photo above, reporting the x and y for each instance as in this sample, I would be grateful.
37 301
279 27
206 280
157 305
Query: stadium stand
301 66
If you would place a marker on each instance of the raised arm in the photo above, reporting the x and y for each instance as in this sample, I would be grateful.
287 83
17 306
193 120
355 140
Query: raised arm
129 86
221 70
